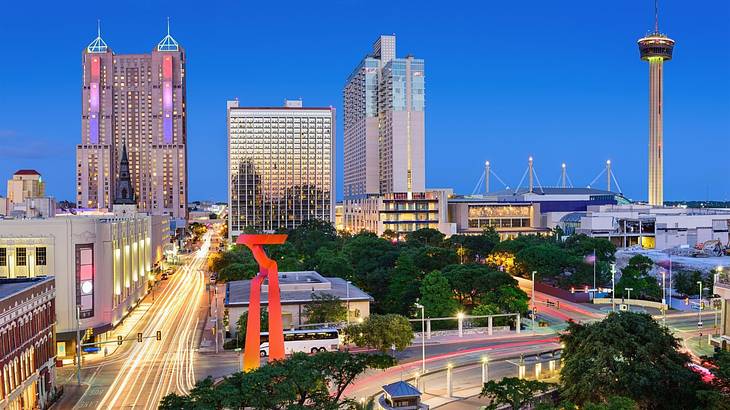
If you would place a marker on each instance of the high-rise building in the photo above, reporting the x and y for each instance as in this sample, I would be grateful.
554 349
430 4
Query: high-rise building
281 166
656 48
135 101
384 124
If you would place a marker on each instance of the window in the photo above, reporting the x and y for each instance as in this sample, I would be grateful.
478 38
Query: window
3 257
40 256
20 259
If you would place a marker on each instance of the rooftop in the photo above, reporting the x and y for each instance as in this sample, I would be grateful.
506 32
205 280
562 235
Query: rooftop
296 288
400 389
27 172
9 287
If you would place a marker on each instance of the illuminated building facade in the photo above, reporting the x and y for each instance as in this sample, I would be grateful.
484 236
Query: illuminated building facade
26 183
137 101
281 166
510 219
27 363
101 263
384 117
656 48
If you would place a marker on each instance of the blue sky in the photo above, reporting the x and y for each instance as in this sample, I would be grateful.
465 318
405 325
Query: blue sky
559 80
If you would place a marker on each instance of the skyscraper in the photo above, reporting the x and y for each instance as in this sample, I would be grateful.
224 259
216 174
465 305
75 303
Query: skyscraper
656 48
134 102
281 166
384 124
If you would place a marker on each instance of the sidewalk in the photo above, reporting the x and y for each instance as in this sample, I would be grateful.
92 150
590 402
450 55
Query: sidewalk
208 339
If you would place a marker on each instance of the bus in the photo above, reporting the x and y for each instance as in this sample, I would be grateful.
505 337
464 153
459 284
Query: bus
308 341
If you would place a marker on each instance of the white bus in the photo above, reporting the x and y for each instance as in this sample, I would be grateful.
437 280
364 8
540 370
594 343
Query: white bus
308 341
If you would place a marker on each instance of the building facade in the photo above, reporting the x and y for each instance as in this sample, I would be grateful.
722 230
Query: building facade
101 263
27 350
137 101
281 166
25 184
509 219
384 124
297 289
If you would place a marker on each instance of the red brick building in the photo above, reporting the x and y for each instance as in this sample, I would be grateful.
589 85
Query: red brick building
27 346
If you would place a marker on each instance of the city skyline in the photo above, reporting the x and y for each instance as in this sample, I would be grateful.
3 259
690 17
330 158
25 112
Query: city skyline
512 112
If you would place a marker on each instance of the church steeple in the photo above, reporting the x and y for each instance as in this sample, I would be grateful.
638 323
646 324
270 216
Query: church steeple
124 194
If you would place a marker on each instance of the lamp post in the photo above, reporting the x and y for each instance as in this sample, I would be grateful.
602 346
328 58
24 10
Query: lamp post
532 300
423 337
699 306
664 299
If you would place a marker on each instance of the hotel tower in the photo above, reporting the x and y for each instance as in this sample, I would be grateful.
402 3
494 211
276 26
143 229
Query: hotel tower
656 48
133 104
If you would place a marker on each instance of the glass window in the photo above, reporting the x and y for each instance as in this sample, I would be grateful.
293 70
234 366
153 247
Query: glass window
20 257
3 257
40 256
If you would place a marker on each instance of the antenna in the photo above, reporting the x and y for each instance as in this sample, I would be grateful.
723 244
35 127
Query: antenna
656 16
168 25
98 27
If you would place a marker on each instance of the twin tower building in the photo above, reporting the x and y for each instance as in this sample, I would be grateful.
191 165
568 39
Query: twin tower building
133 129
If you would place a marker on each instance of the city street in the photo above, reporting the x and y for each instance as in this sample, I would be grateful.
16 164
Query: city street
139 374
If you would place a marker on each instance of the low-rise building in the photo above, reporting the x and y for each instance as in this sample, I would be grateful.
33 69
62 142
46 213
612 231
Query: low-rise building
102 264
27 354
722 289
655 227
297 290
473 214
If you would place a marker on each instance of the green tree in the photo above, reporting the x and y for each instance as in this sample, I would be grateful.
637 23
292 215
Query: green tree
437 297
546 258
381 332
325 308
614 403
468 282
403 286
242 324
513 391
636 276
331 263
299 382
431 258
476 247
720 368
425 236
685 282
627 354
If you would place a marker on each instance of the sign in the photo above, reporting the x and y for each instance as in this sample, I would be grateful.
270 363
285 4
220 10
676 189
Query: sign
623 307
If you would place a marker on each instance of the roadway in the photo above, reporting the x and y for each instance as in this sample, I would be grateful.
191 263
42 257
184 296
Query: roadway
139 374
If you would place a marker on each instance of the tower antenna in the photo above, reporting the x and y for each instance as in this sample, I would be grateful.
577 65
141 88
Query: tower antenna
98 27
656 16
168 25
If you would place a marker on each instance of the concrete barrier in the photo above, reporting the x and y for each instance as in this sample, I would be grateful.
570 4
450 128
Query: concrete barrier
632 302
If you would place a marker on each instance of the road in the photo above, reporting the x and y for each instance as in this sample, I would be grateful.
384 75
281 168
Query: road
138 375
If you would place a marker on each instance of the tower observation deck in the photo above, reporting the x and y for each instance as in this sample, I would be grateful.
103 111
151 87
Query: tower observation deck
656 48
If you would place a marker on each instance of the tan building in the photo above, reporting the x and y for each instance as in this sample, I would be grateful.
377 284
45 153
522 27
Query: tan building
722 289
26 183
297 289
101 263
509 219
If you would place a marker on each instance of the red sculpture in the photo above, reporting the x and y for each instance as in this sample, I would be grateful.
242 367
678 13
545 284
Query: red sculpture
267 270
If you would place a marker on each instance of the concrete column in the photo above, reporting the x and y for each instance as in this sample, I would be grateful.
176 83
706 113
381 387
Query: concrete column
521 368
485 370
461 326
538 370
449 382
428 329
519 324
489 326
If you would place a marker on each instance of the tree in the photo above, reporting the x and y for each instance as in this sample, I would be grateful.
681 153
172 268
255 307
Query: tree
403 286
325 308
627 354
513 391
614 403
425 236
331 263
468 282
720 368
636 276
431 258
299 382
242 323
546 258
437 297
381 332
685 282
475 247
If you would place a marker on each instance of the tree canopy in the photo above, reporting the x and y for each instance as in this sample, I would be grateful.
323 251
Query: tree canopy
381 332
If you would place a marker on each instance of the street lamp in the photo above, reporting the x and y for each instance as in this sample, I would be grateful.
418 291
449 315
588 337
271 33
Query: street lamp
348 301
532 299
699 306
628 301
664 298
423 336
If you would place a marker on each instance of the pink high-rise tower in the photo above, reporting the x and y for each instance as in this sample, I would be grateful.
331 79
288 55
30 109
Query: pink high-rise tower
137 101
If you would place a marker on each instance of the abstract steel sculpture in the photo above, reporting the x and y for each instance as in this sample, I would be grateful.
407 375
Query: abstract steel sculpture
267 270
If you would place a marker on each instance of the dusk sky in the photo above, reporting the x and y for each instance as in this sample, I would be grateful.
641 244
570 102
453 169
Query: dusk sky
559 80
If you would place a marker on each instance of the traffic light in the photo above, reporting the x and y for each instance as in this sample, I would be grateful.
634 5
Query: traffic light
159 335
119 340
139 337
